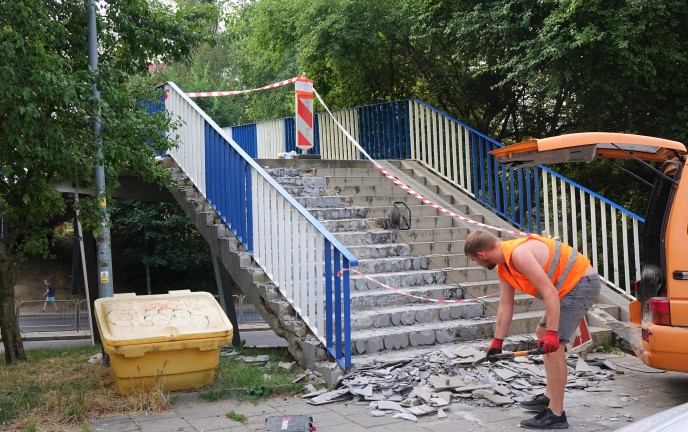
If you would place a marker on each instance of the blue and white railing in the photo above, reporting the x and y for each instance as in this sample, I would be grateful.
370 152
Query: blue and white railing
535 199
298 254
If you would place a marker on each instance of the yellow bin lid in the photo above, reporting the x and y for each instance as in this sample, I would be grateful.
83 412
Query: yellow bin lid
128 319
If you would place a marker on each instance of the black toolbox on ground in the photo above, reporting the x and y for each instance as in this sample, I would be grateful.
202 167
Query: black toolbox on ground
289 423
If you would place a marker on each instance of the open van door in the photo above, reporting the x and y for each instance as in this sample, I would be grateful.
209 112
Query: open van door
659 314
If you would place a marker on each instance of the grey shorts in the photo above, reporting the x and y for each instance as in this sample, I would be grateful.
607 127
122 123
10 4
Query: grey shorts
574 304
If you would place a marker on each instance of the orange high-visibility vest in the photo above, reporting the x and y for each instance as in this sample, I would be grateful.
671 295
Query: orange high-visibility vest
565 267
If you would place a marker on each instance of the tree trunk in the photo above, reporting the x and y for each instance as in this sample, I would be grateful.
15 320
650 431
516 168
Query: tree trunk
9 327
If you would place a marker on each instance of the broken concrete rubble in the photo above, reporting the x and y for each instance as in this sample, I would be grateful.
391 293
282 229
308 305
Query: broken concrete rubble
424 385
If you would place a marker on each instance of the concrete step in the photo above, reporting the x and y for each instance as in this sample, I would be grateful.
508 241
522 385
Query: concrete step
310 190
434 234
437 333
383 297
410 236
340 213
312 163
409 315
448 260
358 201
357 172
380 250
379 180
439 247
379 296
358 224
521 342
417 209
302 182
370 212
419 335
318 170
424 311
392 264
418 277
361 189
612 309
522 303
365 237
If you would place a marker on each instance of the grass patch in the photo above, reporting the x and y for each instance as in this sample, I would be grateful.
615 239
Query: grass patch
236 416
57 390
253 381
608 349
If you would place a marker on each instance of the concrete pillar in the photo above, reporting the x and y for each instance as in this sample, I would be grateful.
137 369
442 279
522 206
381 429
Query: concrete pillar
225 288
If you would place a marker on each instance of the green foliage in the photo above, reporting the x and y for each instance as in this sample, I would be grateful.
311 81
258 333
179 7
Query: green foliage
45 97
568 66
161 236
47 111
514 69
236 416
248 381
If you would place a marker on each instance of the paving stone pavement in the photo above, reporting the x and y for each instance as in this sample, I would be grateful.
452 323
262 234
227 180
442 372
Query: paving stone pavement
636 393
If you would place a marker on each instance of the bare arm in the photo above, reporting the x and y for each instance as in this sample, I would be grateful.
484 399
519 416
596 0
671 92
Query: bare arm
505 311
526 263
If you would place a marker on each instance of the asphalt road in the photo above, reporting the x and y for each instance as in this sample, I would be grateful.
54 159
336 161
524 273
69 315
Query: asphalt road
254 338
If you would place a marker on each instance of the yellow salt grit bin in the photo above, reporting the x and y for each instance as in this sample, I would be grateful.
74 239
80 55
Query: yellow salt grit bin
171 341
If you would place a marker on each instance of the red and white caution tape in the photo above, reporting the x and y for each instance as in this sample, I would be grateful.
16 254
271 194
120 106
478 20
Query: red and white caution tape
238 92
397 290
411 191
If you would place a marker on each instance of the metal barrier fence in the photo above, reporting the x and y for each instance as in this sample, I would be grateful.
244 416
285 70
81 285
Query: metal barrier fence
42 316
246 312
72 315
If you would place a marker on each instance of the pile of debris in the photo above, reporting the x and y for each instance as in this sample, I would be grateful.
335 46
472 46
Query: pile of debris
427 384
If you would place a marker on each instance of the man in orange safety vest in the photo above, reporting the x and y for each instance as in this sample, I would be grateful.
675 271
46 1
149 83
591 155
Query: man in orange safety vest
567 284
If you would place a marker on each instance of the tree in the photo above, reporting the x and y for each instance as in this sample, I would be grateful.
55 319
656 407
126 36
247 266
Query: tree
514 69
565 66
161 239
46 112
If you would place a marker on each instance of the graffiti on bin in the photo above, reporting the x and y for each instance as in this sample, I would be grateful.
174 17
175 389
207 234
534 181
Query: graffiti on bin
180 313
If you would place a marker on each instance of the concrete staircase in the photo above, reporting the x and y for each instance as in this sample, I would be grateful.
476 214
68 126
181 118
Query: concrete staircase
352 199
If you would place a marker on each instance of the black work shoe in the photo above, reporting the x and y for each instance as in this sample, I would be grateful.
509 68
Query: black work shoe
537 403
546 420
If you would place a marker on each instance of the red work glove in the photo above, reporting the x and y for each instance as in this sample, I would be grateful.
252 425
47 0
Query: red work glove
494 348
550 342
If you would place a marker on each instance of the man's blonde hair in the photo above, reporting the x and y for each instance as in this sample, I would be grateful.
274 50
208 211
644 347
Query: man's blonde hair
479 241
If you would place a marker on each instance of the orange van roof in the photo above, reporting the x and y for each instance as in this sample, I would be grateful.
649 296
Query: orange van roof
587 146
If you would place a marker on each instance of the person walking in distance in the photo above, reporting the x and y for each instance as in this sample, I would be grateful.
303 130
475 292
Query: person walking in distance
567 284
49 294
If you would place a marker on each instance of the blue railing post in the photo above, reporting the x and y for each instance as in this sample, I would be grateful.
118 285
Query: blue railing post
337 294
347 319
329 276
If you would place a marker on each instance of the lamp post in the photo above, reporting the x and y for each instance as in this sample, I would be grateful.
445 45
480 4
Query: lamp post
104 258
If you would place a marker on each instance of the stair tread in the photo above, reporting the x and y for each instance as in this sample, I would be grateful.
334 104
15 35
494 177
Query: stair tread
363 334
443 269
361 312
390 356
420 288
418 327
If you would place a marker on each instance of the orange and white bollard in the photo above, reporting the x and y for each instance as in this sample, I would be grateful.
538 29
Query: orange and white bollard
304 113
